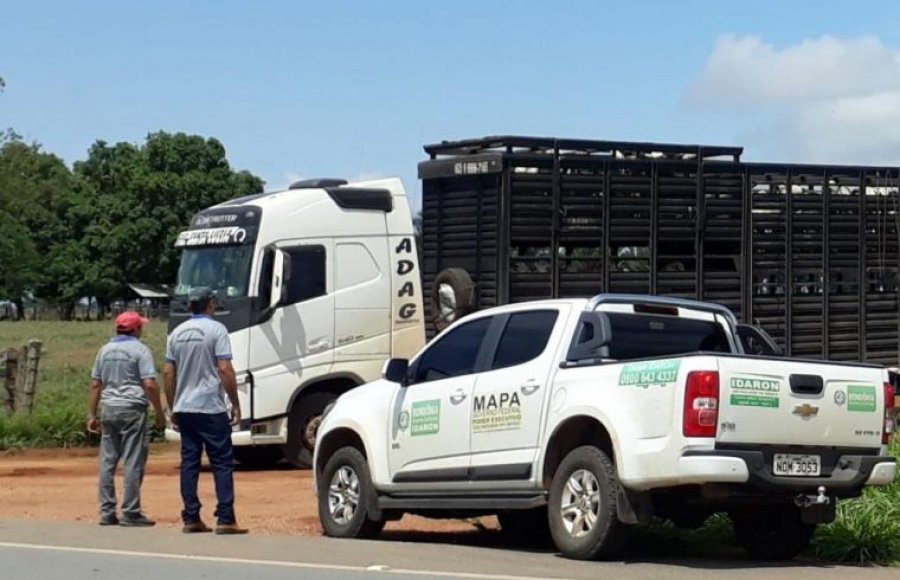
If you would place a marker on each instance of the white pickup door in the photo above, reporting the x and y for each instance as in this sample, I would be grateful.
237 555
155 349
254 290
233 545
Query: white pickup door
806 403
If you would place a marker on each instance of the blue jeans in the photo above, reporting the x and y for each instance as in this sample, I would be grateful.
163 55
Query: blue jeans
199 430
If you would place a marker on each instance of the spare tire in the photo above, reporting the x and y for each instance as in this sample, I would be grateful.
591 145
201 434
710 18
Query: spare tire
452 297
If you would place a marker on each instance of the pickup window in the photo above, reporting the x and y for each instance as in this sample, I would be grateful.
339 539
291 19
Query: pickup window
524 338
645 335
454 354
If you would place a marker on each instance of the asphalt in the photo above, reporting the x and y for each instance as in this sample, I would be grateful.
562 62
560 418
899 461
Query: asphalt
48 551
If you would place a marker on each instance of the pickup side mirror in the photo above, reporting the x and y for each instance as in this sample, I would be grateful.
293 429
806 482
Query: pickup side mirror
756 341
395 370
281 273
592 337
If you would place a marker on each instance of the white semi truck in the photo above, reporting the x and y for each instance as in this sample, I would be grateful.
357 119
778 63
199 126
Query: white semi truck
318 285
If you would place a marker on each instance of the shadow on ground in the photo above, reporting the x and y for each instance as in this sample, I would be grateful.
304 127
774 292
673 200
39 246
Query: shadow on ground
651 545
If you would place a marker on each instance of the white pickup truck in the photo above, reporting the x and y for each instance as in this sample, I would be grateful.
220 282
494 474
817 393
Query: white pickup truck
590 416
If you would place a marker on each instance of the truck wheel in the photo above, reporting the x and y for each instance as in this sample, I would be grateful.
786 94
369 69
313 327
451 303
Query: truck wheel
525 527
345 492
303 424
771 532
258 456
452 295
582 508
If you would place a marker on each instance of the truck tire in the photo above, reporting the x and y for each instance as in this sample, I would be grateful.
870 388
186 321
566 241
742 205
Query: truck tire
771 532
258 456
452 294
525 527
303 423
345 492
583 506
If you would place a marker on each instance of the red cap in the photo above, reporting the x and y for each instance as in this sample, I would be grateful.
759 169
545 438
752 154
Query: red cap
130 321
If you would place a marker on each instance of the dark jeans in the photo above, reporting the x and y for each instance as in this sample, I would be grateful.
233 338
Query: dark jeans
199 430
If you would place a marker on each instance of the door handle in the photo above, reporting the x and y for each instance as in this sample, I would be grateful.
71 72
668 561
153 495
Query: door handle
318 345
457 397
529 388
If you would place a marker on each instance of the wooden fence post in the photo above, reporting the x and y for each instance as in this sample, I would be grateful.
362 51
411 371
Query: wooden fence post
32 359
10 358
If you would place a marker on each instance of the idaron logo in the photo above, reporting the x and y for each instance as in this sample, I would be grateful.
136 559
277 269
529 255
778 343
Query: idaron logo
764 385
861 398
754 392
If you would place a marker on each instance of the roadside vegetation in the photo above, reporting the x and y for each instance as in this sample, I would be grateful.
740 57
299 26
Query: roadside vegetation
867 529
61 396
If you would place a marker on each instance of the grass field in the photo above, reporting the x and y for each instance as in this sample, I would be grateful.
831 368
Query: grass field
61 397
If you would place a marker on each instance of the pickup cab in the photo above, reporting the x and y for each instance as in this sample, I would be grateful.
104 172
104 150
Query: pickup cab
585 417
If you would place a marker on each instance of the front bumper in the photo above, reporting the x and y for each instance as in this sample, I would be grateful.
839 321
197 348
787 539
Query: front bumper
272 432
842 473
238 438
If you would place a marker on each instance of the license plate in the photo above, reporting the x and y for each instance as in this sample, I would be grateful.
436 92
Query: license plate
793 465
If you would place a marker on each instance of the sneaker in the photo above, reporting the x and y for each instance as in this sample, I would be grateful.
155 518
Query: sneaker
109 520
230 529
197 527
140 521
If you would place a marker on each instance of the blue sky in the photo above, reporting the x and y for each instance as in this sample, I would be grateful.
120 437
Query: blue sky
354 89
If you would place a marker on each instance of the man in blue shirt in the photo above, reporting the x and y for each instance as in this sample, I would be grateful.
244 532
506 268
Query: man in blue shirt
122 382
198 375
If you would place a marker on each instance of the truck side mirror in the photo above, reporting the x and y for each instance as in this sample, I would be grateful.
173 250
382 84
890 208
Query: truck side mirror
281 272
592 337
395 370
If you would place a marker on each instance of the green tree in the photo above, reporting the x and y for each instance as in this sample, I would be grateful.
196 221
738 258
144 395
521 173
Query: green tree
137 200
35 187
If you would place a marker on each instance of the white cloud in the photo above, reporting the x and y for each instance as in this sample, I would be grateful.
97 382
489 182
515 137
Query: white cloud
822 100
860 130
745 71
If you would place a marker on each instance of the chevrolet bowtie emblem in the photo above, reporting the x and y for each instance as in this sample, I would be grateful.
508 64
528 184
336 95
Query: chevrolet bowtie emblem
806 410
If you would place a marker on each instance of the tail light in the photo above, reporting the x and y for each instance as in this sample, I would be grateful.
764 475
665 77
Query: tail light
701 404
889 394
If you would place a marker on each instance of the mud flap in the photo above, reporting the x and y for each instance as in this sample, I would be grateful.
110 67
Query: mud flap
632 507
373 510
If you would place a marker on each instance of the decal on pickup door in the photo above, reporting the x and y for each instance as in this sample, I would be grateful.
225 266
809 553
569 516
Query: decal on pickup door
660 373
861 398
425 418
502 412
751 391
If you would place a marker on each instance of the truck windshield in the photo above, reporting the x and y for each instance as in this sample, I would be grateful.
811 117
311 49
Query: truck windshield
224 269
644 336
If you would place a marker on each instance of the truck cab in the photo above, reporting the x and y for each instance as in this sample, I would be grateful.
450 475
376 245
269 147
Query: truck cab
317 284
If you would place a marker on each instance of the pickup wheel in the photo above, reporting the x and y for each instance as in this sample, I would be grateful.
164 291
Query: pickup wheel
303 424
345 492
582 508
771 532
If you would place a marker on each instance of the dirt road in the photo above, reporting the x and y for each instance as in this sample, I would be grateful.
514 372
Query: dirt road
62 485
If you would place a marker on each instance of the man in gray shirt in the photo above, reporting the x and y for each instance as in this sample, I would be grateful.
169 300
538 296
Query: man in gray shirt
122 382
198 375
